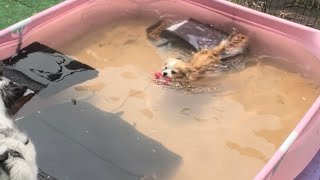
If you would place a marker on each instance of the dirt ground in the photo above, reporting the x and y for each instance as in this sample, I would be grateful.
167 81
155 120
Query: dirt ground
304 12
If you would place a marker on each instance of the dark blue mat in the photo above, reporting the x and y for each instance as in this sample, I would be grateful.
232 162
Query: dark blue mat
38 66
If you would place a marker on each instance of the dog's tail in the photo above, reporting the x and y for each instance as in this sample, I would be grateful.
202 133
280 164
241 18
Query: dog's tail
234 45
216 51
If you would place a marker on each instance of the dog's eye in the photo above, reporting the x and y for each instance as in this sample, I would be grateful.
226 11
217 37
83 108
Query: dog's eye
16 154
173 72
27 142
165 68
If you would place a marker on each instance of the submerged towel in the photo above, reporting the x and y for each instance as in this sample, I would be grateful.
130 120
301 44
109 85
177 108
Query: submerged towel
80 142
197 34
38 66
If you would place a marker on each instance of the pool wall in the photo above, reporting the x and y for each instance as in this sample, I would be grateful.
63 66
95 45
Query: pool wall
72 18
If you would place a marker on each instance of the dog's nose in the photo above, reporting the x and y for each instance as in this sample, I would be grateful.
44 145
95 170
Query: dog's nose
164 74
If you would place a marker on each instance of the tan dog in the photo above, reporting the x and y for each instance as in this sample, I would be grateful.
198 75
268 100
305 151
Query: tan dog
203 60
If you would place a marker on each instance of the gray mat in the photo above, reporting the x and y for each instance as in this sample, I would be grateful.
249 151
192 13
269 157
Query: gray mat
81 142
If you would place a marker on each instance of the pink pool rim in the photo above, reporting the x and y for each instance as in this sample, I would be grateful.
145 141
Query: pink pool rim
296 151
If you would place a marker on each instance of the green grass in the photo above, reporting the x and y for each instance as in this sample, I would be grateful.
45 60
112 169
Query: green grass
13 11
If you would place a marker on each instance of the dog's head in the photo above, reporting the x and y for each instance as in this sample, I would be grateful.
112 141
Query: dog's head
10 93
17 152
17 156
179 70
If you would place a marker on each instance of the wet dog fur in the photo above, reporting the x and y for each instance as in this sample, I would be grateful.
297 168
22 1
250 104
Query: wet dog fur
204 60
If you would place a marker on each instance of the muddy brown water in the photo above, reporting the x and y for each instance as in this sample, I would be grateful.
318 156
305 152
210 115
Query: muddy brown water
230 134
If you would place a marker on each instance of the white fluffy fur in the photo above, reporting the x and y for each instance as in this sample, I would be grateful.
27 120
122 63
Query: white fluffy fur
170 63
11 138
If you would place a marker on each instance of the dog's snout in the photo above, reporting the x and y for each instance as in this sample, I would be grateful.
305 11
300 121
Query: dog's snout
164 74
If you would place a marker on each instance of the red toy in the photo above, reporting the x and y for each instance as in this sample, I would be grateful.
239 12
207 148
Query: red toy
159 79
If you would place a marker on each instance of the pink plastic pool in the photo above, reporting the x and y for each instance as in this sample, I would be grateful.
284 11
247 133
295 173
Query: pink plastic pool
72 18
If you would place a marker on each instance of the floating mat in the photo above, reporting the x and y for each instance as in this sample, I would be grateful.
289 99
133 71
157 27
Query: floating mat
178 38
197 34
38 66
81 142
194 34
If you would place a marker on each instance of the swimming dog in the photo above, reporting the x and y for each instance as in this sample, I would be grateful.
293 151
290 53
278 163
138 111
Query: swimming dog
204 60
